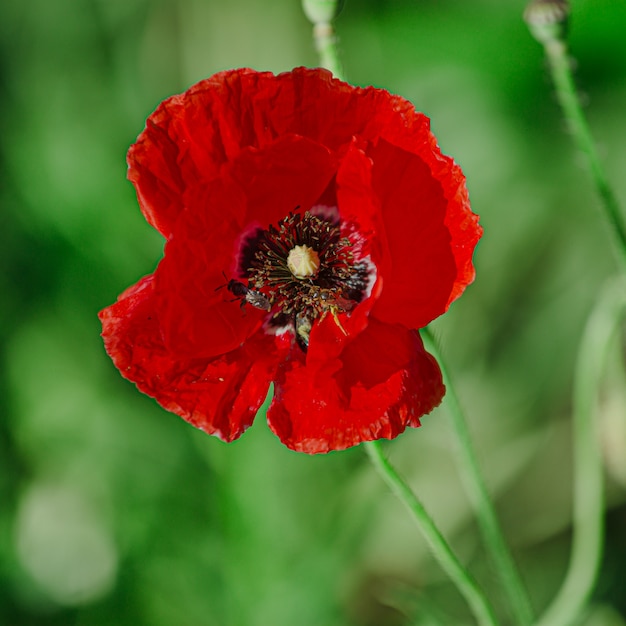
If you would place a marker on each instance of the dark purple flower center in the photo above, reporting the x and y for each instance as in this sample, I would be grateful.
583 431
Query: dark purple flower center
305 268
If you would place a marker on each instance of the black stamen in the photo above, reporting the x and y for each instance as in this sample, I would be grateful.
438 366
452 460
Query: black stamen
336 287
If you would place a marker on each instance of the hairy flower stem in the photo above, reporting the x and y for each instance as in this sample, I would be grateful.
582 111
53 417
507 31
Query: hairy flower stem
440 548
326 45
469 470
321 14
599 335
560 69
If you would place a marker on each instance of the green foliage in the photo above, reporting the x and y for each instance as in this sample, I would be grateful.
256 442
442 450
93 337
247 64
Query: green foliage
115 512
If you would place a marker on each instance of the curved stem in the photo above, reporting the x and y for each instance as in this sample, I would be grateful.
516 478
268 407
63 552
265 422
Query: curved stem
440 548
588 496
556 53
469 470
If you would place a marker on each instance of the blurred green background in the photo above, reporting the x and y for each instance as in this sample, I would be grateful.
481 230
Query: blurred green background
113 511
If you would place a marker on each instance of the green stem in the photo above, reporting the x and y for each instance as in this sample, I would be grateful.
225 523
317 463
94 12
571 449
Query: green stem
440 548
327 49
469 470
556 52
321 14
587 530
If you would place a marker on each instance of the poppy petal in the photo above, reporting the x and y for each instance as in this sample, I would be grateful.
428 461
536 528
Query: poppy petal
198 315
290 172
154 171
358 205
190 136
196 318
410 131
383 382
418 285
221 395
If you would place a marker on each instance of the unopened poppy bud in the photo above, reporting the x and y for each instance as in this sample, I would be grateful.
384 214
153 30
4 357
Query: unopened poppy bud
321 11
547 19
303 262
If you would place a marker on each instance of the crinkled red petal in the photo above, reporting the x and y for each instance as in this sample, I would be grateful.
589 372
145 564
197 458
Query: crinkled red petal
422 272
290 172
359 207
410 131
261 186
190 136
383 382
197 314
153 167
220 395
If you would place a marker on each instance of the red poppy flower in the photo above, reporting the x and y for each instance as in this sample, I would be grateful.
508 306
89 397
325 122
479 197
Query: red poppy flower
311 227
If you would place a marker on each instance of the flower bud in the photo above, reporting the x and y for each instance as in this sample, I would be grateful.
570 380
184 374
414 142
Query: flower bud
547 19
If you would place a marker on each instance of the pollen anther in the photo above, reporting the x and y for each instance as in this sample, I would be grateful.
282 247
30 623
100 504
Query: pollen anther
303 262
